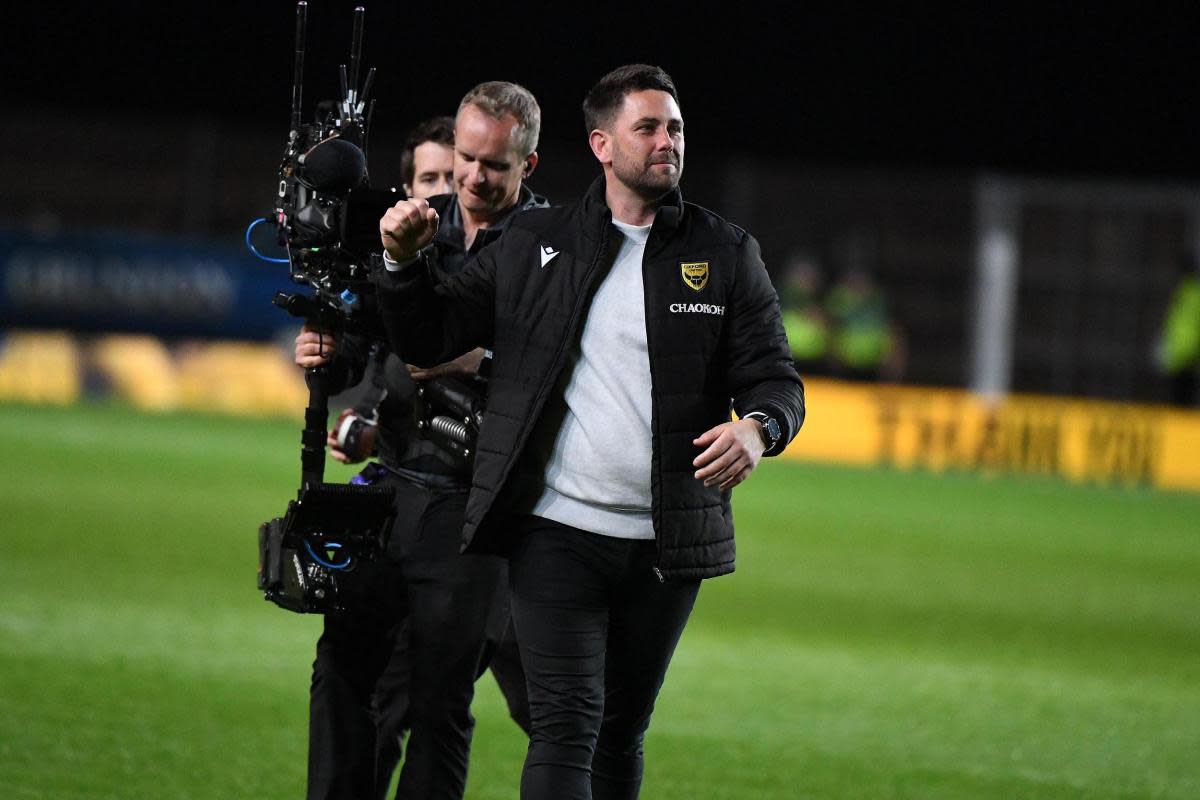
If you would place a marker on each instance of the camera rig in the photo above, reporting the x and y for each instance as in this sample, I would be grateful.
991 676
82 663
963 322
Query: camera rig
326 217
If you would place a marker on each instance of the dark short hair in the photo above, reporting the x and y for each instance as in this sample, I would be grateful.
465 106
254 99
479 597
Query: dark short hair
439 130
606 97
497 98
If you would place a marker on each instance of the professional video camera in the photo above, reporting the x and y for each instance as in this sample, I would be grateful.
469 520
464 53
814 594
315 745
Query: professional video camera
327 218
326 214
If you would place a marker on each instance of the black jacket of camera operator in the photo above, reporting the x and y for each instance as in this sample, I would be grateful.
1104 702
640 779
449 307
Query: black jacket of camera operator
400 443
714 335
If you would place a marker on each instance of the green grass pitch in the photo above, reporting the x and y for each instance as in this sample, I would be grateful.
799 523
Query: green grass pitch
886 635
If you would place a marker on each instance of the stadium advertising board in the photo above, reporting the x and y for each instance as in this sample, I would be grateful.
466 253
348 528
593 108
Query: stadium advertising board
118 282
941 429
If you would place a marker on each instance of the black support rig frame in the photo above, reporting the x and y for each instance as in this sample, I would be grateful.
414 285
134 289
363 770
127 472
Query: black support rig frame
329 528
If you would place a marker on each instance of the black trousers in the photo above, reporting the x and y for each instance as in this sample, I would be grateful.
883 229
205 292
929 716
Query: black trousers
596 630
426 621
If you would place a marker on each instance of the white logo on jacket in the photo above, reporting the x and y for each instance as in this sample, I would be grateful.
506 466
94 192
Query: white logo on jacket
697 308
547 254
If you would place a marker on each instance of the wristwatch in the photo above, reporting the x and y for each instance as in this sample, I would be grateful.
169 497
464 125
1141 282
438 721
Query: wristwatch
769 428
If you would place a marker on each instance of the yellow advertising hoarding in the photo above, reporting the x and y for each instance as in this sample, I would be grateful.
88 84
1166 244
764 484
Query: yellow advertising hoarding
49 368
849 423
938 429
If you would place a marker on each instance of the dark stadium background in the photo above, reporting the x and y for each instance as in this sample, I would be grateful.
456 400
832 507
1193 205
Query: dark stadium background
835 129
831 129
1066 88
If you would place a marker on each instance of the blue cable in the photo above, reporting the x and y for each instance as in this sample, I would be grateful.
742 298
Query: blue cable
250 246
328 564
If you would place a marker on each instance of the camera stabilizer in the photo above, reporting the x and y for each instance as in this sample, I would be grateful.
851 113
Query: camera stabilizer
326 217
326 214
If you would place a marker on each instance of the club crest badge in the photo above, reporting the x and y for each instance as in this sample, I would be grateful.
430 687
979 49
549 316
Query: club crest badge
695 274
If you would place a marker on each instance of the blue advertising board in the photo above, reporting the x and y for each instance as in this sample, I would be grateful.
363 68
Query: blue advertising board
121 282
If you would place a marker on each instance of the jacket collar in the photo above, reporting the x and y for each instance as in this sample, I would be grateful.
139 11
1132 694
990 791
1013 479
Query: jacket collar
668 218
451 230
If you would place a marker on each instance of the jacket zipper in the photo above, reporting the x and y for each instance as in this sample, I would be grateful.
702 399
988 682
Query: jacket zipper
655 419
556 365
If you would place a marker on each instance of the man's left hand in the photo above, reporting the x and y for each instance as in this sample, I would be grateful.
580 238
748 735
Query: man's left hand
314 348
733 451
465 366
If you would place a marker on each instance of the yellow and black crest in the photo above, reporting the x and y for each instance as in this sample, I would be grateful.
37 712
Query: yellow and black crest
695 274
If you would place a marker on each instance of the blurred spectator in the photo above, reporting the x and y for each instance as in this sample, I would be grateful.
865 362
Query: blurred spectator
864 343
1178 351
804 317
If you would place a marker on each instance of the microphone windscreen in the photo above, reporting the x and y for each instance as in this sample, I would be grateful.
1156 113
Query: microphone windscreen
334 165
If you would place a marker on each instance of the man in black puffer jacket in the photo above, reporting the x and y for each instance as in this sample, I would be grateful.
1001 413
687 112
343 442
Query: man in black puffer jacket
624 329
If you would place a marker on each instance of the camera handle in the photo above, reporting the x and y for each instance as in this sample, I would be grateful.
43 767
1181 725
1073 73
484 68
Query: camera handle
316 415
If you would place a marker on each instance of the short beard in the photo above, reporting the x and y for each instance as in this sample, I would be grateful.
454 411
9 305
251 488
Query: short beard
648 187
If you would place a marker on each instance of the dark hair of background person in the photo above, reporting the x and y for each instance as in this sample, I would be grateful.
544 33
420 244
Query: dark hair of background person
438 129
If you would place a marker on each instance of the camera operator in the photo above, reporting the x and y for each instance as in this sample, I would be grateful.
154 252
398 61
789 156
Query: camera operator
427 167
429 619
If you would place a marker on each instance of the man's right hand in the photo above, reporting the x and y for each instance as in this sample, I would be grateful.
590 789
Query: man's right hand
406 228
364 445
314 348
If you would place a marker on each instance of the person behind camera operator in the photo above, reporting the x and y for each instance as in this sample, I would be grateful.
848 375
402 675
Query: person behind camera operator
449 611
624 328
427 161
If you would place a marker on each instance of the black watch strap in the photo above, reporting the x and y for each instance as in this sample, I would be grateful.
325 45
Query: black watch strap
768 427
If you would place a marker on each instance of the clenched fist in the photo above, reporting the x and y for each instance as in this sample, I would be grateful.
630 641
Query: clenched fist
407 227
